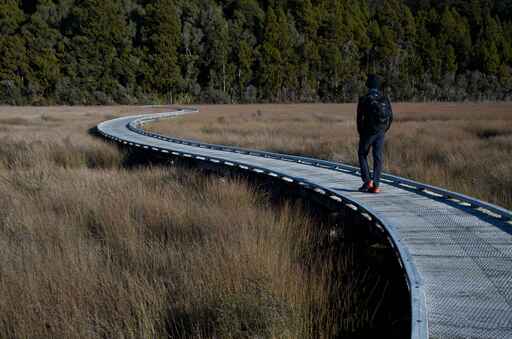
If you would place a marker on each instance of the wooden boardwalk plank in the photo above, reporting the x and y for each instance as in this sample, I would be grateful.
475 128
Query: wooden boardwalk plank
463 257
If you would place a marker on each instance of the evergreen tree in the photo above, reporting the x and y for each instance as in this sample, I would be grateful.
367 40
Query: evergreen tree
192 48
220 73
162 39
13 53
11 16
247 22
101 46
42 37
270 74
311 61
491 36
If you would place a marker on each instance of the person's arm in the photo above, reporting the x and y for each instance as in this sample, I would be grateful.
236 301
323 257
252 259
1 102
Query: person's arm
391 114
360 116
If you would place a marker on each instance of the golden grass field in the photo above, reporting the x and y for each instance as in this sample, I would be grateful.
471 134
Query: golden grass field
465 147
93 248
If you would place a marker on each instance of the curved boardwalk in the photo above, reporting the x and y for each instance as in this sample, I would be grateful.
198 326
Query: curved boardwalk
456 251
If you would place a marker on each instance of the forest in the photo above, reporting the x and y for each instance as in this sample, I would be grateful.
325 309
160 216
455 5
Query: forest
81 52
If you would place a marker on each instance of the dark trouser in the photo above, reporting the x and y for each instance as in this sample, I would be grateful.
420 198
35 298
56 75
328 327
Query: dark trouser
376 142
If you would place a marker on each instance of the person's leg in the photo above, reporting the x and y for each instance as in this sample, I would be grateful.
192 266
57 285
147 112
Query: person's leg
378 157
364 149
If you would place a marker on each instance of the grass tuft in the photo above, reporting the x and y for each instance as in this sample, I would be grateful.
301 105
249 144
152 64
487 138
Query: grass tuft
89 248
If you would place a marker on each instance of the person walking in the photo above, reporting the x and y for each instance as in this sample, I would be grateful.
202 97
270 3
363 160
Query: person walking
374 118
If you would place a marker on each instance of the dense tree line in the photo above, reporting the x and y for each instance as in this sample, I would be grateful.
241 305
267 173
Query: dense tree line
131 51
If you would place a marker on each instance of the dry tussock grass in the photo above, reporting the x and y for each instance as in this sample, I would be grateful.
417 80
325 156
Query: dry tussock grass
89 248
463 147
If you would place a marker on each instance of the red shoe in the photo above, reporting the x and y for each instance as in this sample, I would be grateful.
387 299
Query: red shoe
367 187
374 189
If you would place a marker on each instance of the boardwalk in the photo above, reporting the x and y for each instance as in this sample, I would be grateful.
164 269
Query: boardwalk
456 251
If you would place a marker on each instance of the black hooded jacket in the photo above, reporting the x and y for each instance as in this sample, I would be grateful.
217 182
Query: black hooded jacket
364 126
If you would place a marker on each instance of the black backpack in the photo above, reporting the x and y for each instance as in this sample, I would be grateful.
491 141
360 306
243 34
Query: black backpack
378 112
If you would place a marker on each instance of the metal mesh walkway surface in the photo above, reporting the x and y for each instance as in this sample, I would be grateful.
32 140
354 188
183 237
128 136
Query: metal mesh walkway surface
456 251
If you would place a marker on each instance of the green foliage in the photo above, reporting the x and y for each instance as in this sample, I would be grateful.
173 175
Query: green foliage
168 51
161 42
11 16
451 60
272 55
216 51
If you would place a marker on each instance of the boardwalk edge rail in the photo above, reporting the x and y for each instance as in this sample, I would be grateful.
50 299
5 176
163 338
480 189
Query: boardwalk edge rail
419 323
